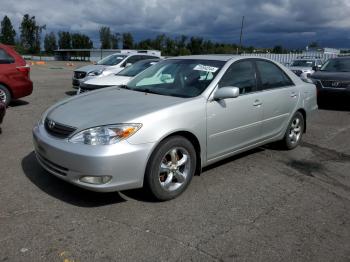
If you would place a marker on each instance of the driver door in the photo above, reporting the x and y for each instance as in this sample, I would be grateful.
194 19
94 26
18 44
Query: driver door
235 123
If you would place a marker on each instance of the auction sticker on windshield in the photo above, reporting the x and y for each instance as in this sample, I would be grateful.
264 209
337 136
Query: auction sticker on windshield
205 68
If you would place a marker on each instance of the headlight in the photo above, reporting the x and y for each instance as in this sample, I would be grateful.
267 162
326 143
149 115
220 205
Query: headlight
105 135
95 73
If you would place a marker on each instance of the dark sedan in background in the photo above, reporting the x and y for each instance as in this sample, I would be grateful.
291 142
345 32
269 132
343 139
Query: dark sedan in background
333 80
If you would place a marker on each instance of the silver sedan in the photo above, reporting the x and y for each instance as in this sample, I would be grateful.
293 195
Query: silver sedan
172 120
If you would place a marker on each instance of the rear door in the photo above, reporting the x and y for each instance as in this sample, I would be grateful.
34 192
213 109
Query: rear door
7 66
279 97
234 123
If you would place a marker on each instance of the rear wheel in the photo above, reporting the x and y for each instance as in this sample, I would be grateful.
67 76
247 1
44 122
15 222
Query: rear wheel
170 168
294 132
5 95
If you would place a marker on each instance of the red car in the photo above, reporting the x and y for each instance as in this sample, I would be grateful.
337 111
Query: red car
14 75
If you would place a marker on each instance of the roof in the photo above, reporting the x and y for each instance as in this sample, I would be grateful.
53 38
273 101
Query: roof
219 57
102 50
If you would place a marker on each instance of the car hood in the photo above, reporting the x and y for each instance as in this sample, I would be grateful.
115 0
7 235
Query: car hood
111 80
108 106
300 68
321 75
90 68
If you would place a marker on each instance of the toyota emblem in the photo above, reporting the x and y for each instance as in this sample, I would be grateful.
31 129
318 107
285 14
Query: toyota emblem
51 124
335 84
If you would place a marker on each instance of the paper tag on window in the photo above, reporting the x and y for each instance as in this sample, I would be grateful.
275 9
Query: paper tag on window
205 68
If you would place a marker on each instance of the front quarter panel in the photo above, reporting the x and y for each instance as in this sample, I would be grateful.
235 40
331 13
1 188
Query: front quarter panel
189 116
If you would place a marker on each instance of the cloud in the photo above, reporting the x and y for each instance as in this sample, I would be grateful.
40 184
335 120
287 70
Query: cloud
293 22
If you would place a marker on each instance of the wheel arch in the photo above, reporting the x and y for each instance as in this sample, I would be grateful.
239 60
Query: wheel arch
303 112
193 140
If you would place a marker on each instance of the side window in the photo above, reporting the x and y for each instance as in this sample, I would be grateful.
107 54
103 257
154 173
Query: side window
133 59
241 75
272 76
5 58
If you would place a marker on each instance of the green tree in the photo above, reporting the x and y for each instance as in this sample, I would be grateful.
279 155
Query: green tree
81 41
195 45
314 45
105 37
7 33
50 43
278 49
115 39
30 34
128 41
64 40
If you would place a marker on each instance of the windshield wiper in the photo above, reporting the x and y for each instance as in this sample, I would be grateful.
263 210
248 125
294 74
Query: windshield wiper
146 90
124 87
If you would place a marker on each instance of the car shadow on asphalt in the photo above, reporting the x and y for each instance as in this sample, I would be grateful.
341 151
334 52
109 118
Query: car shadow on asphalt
16 103
233 158
64 191
334 105
71 93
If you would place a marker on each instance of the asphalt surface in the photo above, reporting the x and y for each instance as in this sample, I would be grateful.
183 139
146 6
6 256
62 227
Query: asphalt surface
263 205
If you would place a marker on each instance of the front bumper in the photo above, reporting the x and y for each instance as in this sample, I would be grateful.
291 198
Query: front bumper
76 83
124 162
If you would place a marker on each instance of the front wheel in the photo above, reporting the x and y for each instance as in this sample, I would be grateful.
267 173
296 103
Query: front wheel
170 168
294 132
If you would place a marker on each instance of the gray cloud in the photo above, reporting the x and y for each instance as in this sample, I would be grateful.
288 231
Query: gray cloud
293 22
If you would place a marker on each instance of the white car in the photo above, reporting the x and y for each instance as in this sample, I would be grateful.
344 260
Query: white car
121 78
109 65
304 67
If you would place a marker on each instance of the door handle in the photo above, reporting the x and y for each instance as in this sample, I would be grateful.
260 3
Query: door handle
257 103
293 95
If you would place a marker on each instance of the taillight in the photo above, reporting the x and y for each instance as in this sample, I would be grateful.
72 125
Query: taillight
25 70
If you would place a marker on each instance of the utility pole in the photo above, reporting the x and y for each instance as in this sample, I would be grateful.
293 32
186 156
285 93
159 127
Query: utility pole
240 38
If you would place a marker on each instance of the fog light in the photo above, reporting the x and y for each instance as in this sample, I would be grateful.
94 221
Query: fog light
96 180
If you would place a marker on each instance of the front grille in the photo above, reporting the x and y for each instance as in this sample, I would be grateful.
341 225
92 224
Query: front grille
57 129
76 82
54 168
297 72
335 83
79 74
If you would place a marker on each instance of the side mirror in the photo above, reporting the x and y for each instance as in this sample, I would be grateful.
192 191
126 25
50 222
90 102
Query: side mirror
128 64
316 68
226 92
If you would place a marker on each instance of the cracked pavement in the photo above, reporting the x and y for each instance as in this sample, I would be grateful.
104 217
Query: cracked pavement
263 205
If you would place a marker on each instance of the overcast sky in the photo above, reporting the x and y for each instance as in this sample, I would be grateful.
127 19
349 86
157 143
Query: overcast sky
291 23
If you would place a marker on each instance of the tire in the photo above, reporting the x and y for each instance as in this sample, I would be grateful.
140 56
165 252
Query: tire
170 168
294 132
5 95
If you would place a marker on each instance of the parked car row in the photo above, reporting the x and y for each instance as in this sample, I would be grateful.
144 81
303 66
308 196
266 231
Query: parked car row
162 121
121 78
108 66
331 78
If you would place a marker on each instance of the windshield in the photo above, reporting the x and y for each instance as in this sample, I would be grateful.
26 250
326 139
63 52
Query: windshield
177 77
111 60
336 65
136 68
305 63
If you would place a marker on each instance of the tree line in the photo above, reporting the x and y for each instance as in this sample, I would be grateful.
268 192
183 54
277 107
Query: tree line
29 41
